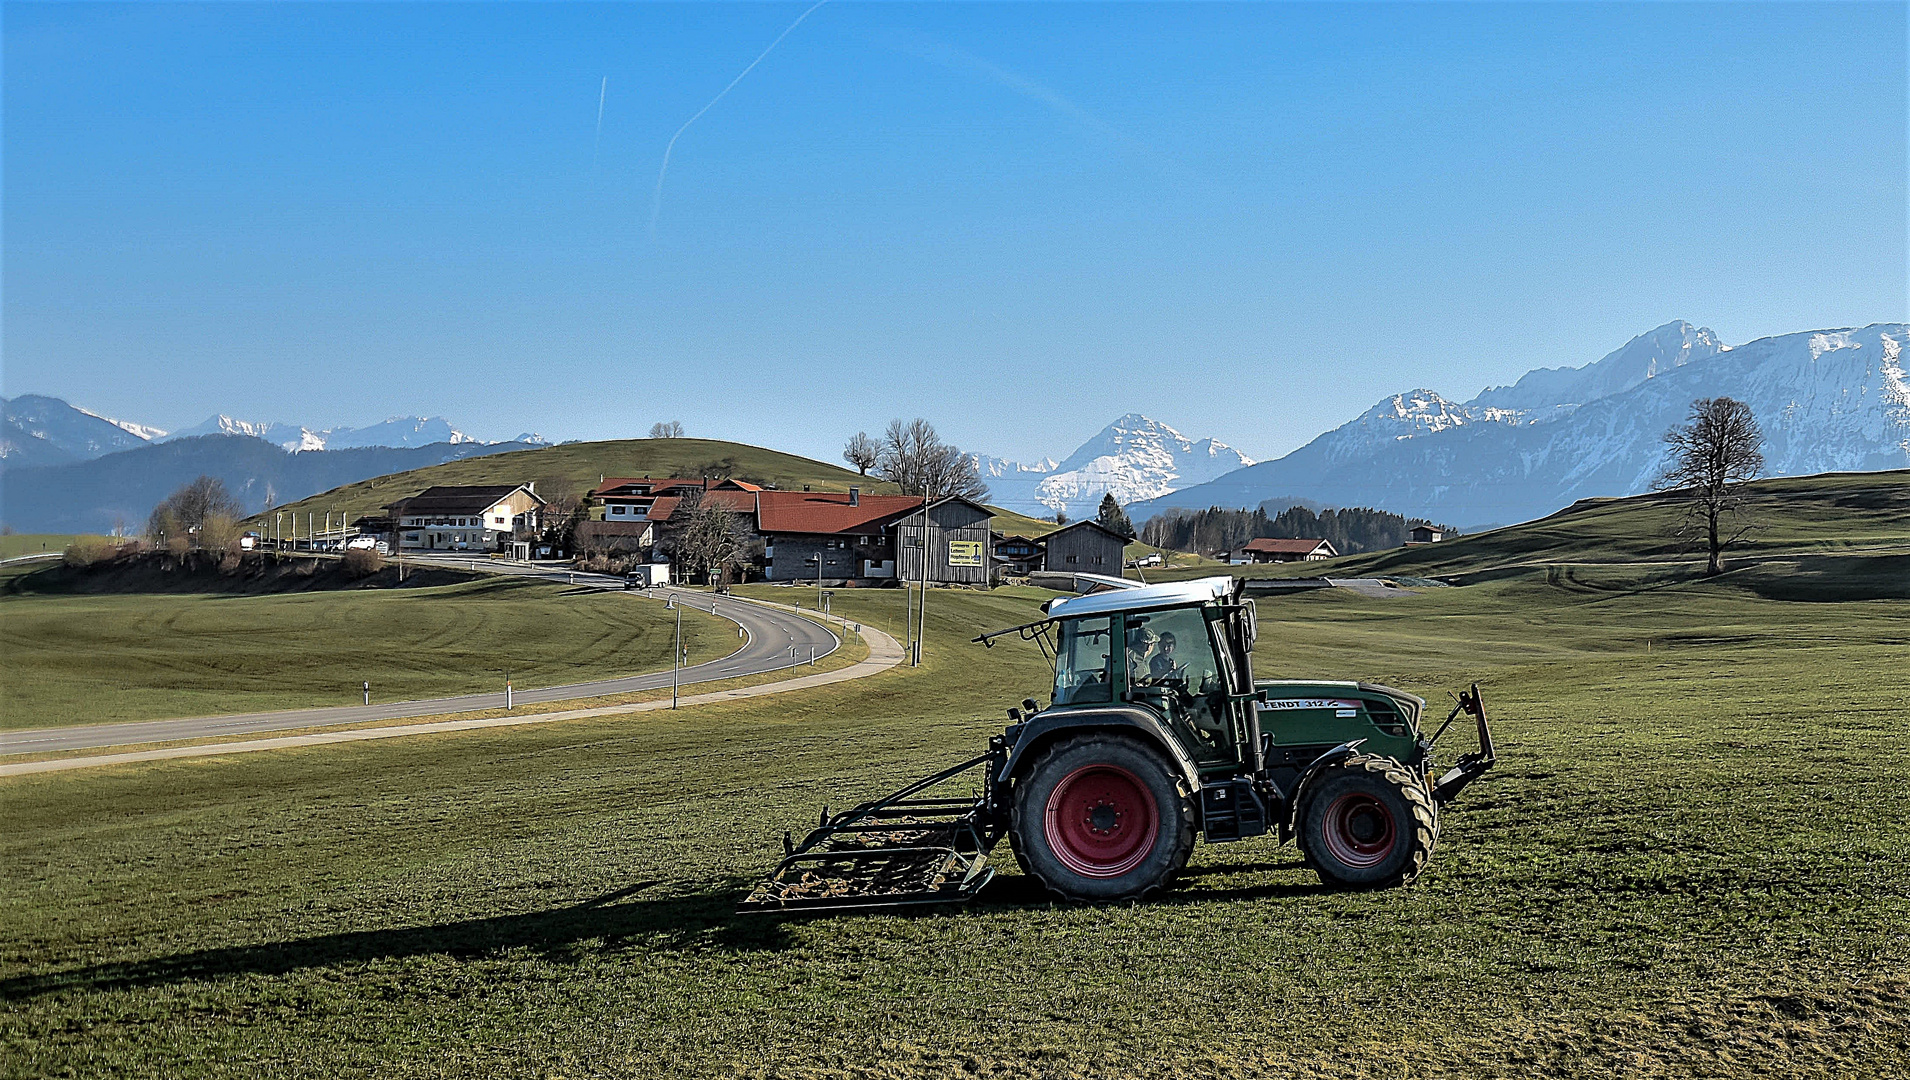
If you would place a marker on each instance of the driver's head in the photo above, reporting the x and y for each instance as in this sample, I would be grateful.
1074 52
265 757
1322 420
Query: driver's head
1141 641
1167 642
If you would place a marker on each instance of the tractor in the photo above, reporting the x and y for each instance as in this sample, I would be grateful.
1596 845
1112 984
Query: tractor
1156 731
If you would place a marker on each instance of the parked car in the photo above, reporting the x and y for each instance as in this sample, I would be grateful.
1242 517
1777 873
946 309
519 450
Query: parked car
248 541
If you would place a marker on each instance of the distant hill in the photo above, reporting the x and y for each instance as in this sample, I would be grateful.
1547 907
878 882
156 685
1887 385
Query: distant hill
1828 536
580 465
121 488
1826 399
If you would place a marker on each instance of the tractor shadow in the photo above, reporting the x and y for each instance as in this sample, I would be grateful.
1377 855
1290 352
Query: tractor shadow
613 922
1012 891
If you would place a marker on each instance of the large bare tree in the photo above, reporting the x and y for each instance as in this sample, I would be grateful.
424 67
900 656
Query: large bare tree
862 452
1718 448
190 507
708 537
916 459
667 429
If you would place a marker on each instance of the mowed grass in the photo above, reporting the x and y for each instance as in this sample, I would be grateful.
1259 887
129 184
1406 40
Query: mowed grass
72 658
1689 862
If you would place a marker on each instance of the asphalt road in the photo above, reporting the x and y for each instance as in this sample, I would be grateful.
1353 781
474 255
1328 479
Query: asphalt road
772 634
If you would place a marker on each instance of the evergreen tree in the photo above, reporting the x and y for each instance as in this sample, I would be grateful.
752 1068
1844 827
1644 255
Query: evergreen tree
1114 519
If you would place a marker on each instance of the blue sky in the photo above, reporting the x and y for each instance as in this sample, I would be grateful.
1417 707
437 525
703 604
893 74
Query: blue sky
1018 220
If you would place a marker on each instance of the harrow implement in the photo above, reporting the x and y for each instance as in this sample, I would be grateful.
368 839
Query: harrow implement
908 847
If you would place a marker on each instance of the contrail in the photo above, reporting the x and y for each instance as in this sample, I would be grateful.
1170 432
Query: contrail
601 91
656 201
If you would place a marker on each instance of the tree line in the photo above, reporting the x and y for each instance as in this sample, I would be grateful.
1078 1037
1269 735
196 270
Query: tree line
1350 530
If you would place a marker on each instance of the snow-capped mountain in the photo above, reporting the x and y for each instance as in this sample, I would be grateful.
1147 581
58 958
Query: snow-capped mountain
1134 458
36 430
397 431
1826 399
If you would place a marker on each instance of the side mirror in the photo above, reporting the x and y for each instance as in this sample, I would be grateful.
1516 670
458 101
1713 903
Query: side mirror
1014 716
1030 704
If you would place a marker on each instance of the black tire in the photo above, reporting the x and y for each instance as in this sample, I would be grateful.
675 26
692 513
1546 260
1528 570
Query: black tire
1368 824
1072 804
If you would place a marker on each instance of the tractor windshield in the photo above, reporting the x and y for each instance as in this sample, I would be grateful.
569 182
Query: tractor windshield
1083 672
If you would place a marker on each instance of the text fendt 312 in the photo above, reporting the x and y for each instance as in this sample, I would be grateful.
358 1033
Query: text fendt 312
1156 732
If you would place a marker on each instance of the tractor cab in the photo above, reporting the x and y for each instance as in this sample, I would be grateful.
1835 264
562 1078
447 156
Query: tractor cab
1181 652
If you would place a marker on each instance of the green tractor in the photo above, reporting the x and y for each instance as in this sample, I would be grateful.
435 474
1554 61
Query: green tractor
1156 731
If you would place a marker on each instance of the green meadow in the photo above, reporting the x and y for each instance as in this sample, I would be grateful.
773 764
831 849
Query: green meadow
1688 862
75 654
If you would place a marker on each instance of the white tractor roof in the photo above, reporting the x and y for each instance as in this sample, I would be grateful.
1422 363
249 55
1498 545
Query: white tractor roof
1171 594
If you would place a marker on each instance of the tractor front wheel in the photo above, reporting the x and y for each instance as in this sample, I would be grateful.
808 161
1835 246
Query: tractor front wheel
1368 824
1101 818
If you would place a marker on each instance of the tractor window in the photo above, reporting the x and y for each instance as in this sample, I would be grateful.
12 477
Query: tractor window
1171 666
1082 669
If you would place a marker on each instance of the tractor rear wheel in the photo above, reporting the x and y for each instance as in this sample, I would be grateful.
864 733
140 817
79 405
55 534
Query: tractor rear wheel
1101 818
1368 824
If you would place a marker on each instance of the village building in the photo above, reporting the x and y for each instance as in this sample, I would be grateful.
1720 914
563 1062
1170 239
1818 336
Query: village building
1425 534
1017 556
1085 547
474 518
955 535
1278 550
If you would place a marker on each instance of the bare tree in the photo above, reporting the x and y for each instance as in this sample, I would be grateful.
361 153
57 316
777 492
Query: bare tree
187 509
1718 448
667 429
708 539
862 452
915 458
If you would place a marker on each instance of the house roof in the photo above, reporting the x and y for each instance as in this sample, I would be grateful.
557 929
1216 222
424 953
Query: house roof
666 506
1279 546
829 512
451 499
612 484
1045 537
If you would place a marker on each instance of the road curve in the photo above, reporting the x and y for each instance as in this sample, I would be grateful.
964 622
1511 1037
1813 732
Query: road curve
772 634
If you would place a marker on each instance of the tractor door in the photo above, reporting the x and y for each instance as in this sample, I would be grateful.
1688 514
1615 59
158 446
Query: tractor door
1174 667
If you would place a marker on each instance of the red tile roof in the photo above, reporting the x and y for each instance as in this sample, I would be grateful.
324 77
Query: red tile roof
828 512
1272 546
743 502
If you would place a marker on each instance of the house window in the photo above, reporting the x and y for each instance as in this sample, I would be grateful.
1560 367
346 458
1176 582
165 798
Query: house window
1071 558
616 510
1097 560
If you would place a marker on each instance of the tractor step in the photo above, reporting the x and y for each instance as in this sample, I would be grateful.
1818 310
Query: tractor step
891 852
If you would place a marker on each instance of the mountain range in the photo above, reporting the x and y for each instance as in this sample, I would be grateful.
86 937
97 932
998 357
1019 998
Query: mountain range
1827 400
37 430
1134 458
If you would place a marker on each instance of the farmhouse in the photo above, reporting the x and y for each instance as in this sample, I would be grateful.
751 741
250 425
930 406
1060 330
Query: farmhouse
1018 555
1085 547
1425 534
1271 550
476 518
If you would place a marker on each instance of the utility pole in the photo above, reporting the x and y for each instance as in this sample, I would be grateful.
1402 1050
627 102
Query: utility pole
921 607
676 655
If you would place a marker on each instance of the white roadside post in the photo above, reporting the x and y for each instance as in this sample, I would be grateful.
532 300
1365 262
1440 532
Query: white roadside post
367 693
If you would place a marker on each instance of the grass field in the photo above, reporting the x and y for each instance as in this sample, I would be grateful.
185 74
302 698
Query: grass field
79 657
1689 862
14 545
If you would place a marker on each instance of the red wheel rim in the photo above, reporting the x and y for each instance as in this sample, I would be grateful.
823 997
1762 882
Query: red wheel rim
1360 831
1102 821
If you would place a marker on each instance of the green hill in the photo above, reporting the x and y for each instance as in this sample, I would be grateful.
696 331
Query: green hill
580 465
1849 530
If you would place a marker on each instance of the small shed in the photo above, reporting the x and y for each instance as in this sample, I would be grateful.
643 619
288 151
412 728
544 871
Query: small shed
1085 547
958 539
1426 534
